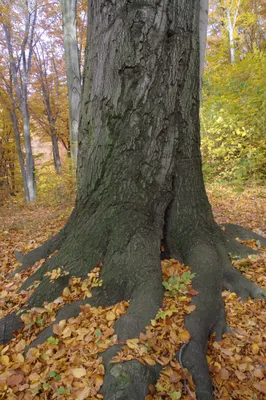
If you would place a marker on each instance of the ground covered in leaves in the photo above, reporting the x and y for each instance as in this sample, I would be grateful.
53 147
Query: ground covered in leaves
68 365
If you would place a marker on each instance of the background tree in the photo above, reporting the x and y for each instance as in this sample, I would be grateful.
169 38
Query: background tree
9 105
7 158
72 56
140 185
48 77
19 43
204 10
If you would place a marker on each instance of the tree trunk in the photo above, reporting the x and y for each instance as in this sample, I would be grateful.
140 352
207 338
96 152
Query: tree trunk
19 70
204 7
140 185
68 8
30 171
230 29
56 155
14 120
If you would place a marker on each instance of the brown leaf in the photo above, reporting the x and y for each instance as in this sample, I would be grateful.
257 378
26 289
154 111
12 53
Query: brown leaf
190 309
240 375
261 386
15 380
258 373
224 374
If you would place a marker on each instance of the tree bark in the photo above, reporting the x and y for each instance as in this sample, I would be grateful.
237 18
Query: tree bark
203 27
43 67
68 8
14 120
140 184
20 70
231 17
15 124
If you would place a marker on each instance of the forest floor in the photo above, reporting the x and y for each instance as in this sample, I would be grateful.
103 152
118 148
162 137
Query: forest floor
66 366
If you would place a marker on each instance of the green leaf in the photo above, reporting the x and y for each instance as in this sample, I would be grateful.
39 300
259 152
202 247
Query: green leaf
46 386
98 333
52 340
62 390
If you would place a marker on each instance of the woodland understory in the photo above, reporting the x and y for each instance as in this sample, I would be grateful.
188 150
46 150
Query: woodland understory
66 364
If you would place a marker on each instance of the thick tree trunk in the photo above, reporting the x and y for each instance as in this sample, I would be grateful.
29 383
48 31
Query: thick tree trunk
140 184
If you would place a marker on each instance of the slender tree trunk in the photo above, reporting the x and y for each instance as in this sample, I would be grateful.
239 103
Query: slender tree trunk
12 178
140 184
203 27
14 120
30 171
230 29
231 16
56 155
21 88
68 8
42 70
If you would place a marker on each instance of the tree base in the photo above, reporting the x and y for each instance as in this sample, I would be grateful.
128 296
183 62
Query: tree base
207 256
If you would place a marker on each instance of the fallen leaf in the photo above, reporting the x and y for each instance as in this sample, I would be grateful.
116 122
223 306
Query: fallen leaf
79 372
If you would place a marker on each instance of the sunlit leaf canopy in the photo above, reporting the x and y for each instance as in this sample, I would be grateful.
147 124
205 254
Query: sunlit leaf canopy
234 94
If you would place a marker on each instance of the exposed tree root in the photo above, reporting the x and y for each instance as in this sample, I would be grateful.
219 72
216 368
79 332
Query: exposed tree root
28 260
206 255
232 232
8 326
46 249
128 381
205 252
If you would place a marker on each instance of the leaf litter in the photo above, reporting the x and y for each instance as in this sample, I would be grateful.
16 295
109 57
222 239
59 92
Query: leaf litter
68 365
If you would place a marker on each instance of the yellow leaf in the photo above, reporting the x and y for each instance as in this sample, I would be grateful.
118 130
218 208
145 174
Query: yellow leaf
4 350
133 343
98 381
3 294
184 335
4 360
217 365
149 360
66 292
20 358
79 372
110 316
26 318
20 346
255 348
67 332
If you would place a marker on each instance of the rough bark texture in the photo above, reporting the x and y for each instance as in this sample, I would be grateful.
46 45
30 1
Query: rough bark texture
140 184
